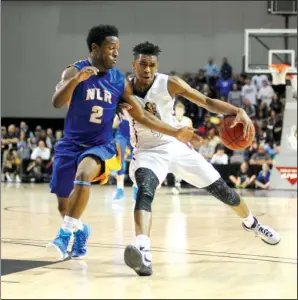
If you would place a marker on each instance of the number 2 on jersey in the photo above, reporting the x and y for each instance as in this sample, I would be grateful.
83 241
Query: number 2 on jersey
96 115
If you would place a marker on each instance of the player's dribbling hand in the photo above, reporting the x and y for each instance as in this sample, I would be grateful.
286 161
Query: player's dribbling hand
86 73
244 119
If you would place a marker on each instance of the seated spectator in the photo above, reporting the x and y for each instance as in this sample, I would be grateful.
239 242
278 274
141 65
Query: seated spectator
206 150
263 178
244 177
271 120
213 138
263 111
205 126
249 108
249 92
251 150
10 140
276 104
58 135
11 165
35 171
220 157
24 149
266 93
261 157
200 80
241 81
258 79
24 128
226 68
277 129
41 151
38 133
32 142
234 97
224 85
50 139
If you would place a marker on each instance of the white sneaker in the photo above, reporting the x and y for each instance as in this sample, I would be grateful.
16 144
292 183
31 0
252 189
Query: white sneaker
140 260
176 190
8 177
267 234
18 179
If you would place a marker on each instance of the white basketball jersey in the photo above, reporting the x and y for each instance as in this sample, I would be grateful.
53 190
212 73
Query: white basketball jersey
158 102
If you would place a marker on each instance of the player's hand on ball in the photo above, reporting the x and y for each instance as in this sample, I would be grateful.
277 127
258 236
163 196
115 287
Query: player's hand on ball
86 73
244 119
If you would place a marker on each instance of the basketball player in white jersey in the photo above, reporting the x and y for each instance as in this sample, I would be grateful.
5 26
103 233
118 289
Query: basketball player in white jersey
180 120
156 154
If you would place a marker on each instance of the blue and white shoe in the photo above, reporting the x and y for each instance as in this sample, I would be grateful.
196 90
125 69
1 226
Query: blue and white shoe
79 247
119 194
60 244
135 192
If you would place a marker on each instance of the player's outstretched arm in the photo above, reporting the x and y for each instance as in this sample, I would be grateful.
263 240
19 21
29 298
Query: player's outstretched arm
178 87
71 77
185 134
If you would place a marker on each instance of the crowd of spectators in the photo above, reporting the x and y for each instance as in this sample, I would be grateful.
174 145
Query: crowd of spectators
27 155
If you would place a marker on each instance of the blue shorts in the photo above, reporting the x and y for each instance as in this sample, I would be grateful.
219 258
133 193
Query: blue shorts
123 143
67 158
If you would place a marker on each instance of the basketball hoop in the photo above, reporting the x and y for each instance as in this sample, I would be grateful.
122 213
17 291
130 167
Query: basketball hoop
279 73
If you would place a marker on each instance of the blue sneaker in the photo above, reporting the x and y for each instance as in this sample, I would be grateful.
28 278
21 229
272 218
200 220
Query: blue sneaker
119 194
135 192
79 248
59 244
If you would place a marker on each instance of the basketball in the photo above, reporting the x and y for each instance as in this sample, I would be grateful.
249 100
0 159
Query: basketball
233 138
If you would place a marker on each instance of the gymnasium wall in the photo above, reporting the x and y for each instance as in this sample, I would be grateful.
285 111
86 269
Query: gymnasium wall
40 38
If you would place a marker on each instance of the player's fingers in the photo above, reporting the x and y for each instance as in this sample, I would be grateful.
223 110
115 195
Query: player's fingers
245 130
234 123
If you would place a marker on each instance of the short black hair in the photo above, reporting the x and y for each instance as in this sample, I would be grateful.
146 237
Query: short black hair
146 48
97 34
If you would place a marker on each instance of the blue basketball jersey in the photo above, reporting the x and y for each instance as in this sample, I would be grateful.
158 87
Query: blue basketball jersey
93 106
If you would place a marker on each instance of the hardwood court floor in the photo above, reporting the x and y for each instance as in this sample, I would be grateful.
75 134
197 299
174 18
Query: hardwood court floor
199 248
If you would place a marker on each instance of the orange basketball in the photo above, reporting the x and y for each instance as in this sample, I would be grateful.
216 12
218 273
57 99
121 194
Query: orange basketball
232 138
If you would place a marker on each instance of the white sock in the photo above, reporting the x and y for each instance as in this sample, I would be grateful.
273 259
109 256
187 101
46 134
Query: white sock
249 220
69 224
120 184
79 225
143 241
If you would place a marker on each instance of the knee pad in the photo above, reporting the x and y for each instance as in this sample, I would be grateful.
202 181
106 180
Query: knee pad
147 183
222 192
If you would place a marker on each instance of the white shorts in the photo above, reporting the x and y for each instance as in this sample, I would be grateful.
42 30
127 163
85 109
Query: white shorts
177 158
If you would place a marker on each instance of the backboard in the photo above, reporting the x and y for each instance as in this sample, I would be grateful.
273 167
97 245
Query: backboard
264 47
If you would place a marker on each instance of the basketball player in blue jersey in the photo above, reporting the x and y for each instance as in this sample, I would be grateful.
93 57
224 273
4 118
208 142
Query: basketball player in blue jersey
122 139
92 89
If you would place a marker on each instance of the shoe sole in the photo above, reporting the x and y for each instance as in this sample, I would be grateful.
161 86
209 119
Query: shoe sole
57 253
78 257
133 259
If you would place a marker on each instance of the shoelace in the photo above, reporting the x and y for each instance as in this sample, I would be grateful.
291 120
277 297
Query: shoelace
81 238
264 231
